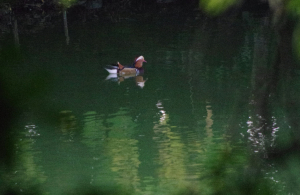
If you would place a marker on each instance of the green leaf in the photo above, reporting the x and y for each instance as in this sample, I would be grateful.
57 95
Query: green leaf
217 7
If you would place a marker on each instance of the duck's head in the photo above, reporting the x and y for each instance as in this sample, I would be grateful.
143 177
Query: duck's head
140 58
138 63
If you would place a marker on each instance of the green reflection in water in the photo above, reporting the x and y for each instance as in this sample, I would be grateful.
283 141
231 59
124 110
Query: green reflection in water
171 156
112 137
27 175
178 161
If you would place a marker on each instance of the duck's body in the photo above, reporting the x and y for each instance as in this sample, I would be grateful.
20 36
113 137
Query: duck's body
135 68
114 69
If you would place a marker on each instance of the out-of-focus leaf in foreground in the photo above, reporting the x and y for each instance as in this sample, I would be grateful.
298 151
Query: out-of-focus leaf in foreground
217 7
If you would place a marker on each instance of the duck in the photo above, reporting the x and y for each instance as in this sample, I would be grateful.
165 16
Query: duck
135 68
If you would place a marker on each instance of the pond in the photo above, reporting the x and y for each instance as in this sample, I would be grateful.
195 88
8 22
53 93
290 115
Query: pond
204 87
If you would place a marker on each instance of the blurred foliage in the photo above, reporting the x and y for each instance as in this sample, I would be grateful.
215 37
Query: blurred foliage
233 170
296 39
293 6
217 7
67 3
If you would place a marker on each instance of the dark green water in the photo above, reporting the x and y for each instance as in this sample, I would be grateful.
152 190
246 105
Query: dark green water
204 86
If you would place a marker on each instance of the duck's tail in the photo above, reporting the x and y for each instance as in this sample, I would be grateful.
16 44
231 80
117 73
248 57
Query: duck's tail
112 69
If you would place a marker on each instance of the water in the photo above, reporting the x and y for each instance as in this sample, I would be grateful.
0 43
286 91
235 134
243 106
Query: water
199 92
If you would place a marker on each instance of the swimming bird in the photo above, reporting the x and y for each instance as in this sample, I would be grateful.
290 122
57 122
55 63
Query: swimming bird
136 67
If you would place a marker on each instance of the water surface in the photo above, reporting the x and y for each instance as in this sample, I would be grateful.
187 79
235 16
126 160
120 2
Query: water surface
201 88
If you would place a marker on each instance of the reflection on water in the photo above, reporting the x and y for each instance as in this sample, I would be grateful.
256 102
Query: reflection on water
27 171
209 121
111 135
68 125
257 138
116 158
179 159
31 130
171 155
125 161
139 79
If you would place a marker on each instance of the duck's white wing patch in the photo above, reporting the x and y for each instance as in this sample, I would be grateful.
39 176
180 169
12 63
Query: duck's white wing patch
112 71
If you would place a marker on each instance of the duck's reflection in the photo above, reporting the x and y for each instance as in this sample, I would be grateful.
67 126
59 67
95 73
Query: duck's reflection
139 79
